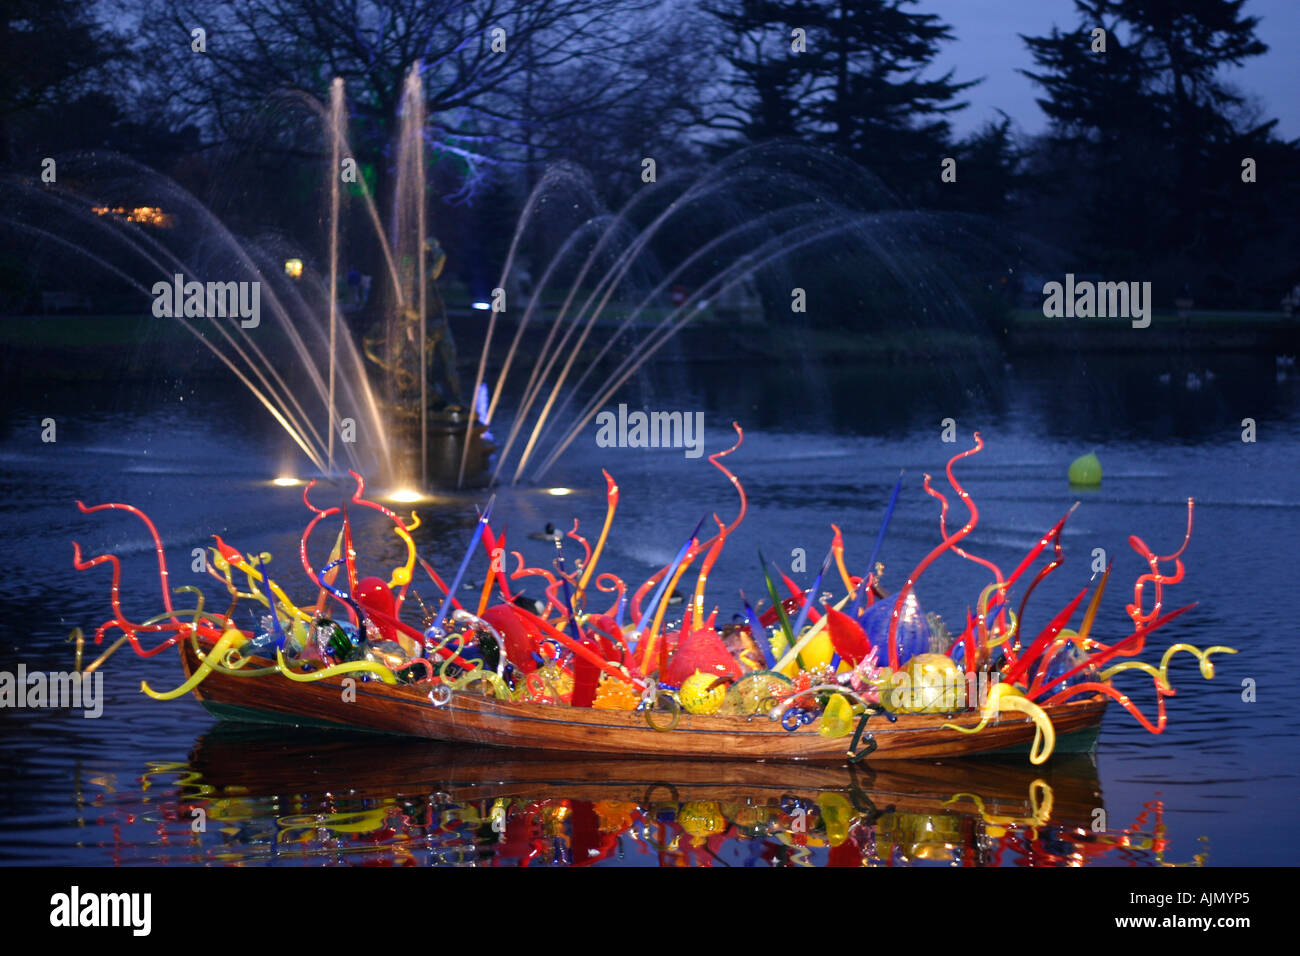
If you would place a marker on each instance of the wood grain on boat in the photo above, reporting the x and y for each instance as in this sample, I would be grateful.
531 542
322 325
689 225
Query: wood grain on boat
471 718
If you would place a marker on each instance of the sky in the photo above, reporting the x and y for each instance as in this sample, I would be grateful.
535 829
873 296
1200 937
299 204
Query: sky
987 44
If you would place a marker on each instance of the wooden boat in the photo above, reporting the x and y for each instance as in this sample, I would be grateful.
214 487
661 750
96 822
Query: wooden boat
407 709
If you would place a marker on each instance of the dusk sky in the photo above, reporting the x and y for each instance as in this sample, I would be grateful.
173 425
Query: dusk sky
988 44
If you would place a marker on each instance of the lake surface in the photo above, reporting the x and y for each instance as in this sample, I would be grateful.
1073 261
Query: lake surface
822 445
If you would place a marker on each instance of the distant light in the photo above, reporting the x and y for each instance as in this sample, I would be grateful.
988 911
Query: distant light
293 268
481 306
149 216
406 496
287 482
141 215
559 492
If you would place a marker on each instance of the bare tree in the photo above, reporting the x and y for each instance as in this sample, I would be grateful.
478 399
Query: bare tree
499 77
50 51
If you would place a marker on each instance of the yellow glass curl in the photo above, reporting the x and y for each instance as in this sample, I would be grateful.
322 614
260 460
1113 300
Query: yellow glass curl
402 576
228 640
1162 674
333 670
1004 697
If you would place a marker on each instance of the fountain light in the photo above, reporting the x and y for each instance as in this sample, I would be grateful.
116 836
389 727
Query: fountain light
481 306
293 268
559 492
406 496
286 482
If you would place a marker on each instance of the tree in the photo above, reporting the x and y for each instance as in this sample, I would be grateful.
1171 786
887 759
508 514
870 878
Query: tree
497 77
854 81
1146 139
51 50
770 84
989 162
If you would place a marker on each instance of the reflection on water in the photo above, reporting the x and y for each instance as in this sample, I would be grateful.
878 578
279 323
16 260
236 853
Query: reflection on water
248 795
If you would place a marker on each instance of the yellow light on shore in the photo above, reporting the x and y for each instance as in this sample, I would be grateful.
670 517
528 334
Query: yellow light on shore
141 215
286 482
293 268
149 216
559 492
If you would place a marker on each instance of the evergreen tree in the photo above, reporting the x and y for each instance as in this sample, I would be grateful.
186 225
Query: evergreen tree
989 171
1147 137
51 50
846 74
883 112
770 87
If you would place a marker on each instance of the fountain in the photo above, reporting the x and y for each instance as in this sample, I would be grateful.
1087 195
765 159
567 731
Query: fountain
413 348
388 401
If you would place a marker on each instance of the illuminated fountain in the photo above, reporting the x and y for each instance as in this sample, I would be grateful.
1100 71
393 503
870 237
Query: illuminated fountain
412 350
388 402
289 357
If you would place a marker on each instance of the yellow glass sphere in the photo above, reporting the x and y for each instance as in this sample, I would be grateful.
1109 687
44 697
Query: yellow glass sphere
837 718
927 684
818 652
699 695
702 818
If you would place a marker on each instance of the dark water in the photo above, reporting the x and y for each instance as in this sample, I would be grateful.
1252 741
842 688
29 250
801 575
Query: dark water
822 445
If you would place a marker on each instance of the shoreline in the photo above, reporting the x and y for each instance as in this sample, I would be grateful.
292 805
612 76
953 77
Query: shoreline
65 347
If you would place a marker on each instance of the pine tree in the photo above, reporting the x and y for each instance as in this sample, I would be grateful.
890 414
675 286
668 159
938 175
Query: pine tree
857 84
771 85
51 50
989 161
884 113
1147 128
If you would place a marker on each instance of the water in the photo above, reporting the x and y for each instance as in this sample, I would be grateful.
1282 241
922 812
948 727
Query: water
748 216
1219 786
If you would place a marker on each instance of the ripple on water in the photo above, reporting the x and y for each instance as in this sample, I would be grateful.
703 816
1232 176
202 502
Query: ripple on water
92 791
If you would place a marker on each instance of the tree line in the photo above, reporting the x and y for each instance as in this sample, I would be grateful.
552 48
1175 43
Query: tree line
1153 166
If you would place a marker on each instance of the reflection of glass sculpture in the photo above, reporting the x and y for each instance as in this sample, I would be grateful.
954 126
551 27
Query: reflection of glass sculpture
323 797
573 678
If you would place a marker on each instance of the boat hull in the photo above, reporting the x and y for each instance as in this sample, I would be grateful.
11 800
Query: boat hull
471 718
